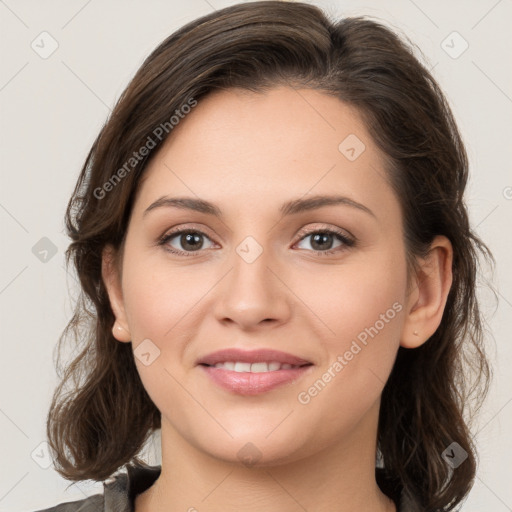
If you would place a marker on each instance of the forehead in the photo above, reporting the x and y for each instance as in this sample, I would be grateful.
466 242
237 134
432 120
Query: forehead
237 144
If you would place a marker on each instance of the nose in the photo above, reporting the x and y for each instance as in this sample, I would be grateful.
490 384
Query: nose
252 295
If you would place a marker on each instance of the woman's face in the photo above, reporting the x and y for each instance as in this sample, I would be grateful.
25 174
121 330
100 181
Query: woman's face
252 274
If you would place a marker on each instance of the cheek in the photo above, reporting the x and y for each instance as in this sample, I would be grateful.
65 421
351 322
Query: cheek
362 306
350 383
157 297
160 304
347 299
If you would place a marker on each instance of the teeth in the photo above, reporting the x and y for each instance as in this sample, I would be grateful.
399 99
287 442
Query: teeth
258 367
242 367
254 367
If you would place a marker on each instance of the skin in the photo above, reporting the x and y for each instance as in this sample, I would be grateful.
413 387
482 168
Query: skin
248 153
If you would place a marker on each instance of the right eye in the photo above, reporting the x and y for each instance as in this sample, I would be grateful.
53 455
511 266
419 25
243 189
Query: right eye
184 242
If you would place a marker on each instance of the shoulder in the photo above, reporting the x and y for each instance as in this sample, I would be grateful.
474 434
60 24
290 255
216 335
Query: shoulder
119 492
93 503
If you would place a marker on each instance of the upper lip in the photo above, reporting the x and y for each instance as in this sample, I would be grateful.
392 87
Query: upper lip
251 356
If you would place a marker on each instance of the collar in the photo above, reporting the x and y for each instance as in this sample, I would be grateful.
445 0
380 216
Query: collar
119 491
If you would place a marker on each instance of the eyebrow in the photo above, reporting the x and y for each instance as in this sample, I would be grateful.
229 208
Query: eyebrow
289 208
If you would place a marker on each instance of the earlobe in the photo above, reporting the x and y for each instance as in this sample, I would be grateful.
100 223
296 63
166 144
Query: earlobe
120 333
427 300
112 281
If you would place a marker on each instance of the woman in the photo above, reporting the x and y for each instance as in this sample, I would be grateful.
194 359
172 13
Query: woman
277 261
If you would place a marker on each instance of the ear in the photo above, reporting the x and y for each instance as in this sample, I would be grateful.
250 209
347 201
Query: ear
112 279
428 294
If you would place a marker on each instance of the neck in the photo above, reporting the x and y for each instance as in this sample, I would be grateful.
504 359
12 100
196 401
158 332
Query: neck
338 478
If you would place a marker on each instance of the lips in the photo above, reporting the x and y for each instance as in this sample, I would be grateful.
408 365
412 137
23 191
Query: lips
253 372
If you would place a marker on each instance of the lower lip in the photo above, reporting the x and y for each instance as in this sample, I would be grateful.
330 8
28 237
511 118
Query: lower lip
248 383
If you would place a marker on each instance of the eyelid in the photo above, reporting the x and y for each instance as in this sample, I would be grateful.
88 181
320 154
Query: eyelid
178 228
305 231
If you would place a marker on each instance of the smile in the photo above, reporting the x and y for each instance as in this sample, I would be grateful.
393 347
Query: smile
261 367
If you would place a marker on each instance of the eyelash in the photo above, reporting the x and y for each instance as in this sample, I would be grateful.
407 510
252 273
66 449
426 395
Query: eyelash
347 242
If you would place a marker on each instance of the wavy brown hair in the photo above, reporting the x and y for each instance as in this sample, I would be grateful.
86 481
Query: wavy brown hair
101 416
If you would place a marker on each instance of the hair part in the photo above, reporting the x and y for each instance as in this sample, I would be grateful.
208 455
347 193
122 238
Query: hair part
106 417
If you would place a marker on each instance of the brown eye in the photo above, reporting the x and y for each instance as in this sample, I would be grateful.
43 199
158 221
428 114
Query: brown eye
185 241
326 240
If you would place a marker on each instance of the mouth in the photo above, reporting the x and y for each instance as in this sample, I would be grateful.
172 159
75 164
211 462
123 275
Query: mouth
263 367
253 372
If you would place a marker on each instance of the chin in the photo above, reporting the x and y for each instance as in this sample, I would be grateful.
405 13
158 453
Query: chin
253 450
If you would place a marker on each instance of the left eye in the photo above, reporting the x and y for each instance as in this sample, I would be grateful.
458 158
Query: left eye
325 240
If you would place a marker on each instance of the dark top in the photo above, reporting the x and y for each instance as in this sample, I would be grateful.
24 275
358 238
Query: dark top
119 493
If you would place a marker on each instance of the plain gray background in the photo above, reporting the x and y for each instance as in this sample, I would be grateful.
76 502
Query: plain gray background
54 105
